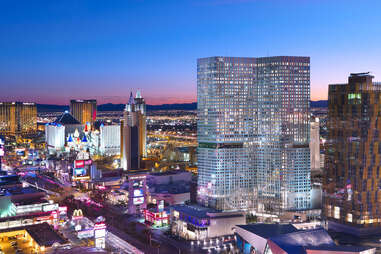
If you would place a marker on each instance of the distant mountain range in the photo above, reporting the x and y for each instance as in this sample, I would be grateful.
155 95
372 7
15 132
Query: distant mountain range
120 107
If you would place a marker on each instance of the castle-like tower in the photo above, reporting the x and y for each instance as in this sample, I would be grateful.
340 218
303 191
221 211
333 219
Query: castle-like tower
133 133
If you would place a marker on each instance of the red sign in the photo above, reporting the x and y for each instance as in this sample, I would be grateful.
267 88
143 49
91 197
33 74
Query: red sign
99 226
79 163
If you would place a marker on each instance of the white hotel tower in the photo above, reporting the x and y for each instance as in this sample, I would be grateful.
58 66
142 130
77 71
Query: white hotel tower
253 133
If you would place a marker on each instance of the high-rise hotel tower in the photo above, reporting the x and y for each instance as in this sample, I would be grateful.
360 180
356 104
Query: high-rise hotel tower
133 133
352 181
18 118
85 111
253 133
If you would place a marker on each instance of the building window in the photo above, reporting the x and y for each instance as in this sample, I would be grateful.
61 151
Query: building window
349 217
336 212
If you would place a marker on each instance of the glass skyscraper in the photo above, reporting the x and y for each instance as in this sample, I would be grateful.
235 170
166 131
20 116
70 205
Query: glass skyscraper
352 180
253 133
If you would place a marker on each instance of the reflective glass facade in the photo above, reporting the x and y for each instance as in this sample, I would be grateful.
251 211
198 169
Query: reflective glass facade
253 133
18 118
352 182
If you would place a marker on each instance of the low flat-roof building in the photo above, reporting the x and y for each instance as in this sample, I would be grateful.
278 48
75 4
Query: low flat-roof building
40 238
288 239
194 222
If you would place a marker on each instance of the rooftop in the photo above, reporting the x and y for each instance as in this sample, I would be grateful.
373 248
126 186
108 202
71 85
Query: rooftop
269 230
66 119
297 242
360 74
43 234
167 173
340 248
9 180
173 188
195 210
19 191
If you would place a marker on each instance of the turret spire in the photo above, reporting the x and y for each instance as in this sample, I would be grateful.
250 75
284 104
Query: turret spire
131 100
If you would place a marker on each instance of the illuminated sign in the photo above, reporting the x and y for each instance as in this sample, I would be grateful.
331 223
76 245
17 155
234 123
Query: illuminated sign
44 218
78 227
87 233
79 163
138 184
79 172
50 207
160 206
77 214
88 162
100 230
62 210
100 242
81 178
138 193
100 233
138 201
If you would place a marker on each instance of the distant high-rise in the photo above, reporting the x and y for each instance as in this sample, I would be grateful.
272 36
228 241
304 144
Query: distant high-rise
315 144
2 143
253 133
133 133
85 111
18 118
352 181
140 106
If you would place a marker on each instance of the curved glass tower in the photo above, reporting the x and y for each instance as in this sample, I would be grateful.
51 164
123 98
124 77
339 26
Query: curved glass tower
253 133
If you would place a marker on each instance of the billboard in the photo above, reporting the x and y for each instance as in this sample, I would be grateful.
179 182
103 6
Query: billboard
79 172
100 233
138 193
138 183
79 163
138 201
87 233
1 147
50 207
160 205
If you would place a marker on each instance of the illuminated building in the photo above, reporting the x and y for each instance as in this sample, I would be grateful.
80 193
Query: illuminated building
85 111
315 144
2 152
195 222
109 140
40 238
18 118
67 133
253 133
133 133
288 239
82 167
140 106
157 217
55 136
171 186
352 180
137 193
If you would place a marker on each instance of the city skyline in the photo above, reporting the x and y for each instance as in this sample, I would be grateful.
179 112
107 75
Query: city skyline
94 50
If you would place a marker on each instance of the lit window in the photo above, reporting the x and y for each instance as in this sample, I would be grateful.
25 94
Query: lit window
349 217
336 212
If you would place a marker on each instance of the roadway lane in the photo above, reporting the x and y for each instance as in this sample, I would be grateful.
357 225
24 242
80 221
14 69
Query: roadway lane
120 244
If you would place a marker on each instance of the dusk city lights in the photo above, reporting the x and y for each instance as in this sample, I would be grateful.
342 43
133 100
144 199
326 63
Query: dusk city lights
190 127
